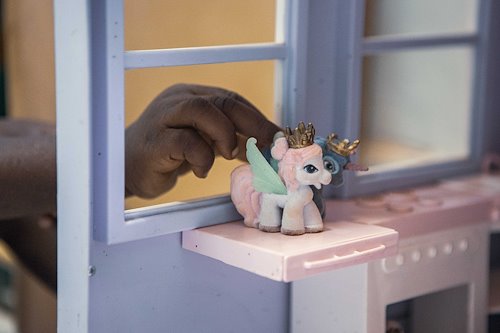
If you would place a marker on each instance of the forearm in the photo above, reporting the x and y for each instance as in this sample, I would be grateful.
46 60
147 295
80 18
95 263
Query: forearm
27 176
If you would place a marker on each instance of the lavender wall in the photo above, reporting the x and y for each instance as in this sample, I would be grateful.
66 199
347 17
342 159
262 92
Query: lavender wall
156 286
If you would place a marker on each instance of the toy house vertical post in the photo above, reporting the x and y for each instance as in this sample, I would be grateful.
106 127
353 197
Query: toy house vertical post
74 161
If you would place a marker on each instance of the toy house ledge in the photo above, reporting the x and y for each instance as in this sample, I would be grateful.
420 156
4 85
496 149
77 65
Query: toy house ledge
357 231
289 258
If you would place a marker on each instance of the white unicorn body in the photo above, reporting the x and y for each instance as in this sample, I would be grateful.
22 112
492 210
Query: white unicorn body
293 213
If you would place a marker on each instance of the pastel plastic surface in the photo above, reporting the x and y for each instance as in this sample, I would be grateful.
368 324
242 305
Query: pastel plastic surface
417 211
284 258
356 231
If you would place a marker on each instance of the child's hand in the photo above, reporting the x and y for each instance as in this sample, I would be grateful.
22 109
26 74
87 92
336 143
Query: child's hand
183 129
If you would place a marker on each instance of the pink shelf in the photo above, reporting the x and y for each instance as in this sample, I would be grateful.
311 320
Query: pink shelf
288 258
418 211
358 231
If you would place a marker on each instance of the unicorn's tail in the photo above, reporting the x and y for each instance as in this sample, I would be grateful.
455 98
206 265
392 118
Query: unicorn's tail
244 196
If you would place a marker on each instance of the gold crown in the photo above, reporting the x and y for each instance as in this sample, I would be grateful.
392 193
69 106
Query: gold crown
301 136
344 147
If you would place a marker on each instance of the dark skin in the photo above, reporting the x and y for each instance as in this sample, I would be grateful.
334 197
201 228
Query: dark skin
28 195
27 168
181 130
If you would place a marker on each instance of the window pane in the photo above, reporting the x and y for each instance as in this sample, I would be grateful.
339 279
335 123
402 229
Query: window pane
388 17
253 80
156 24
416 108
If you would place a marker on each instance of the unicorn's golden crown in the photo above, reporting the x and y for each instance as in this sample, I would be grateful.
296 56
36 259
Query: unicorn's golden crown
341 147
301 136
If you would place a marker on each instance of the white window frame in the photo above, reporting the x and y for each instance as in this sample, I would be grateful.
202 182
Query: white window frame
295 93
108 61
347 112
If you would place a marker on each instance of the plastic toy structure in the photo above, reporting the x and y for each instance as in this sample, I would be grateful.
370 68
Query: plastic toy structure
280 189
336 158
282 201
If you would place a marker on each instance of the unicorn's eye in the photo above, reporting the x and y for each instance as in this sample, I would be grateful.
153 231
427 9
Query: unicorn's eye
310 168
331 166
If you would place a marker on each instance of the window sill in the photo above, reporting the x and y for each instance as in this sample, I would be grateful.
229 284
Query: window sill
289 258
356 231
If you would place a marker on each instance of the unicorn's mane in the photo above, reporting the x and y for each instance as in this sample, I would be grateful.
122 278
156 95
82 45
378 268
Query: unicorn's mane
293 157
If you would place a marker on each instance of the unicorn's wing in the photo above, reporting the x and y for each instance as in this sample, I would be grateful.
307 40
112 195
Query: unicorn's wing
265 179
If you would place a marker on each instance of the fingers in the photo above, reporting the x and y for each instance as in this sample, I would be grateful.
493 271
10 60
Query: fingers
200 114
185 126
152 166
242 148
247 119
242 115
180 146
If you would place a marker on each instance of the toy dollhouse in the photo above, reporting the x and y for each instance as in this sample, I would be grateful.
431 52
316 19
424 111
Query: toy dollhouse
407 245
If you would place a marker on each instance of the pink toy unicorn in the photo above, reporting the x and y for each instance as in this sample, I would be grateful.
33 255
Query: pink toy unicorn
260 196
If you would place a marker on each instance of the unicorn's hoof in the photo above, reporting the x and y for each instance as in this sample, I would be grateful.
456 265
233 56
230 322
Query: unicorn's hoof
292 232
314 228
269 228
252 224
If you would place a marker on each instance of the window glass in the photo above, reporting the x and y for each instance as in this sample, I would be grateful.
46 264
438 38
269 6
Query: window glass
157 24
416 107
253 80
389 17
